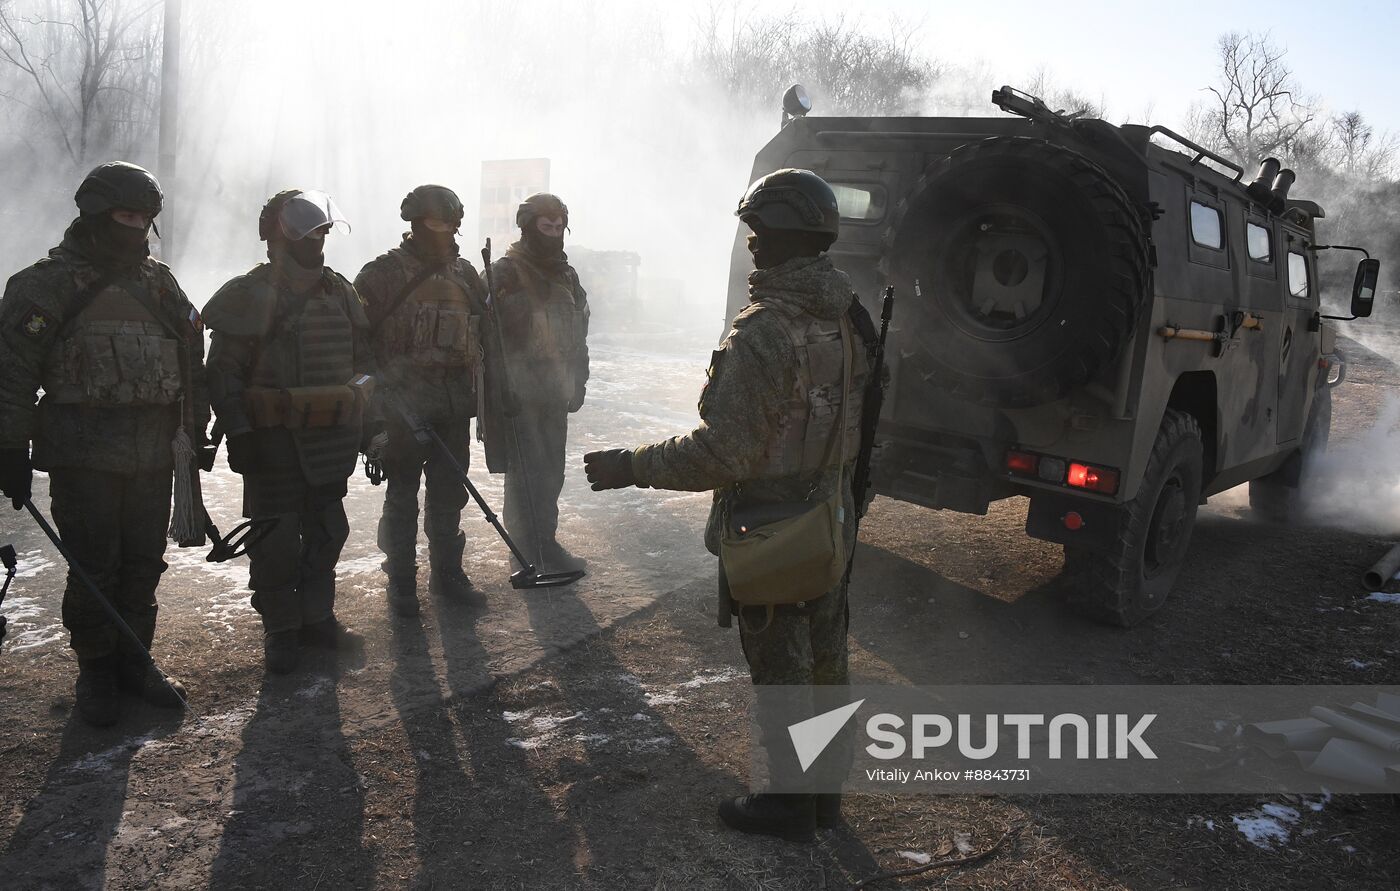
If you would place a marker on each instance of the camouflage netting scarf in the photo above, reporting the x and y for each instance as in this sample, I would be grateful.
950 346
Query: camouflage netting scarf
810 284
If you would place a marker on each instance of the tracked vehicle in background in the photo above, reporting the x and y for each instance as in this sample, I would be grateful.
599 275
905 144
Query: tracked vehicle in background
1108 320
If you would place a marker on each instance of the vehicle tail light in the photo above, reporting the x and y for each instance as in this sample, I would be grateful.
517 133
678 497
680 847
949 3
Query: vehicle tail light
1022 462
1095 479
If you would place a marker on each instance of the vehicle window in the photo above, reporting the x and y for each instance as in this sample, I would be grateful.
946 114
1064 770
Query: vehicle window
859 202
1206 229
1260 245
1297 275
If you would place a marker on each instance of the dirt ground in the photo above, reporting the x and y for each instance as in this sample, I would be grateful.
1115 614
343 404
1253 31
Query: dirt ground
581 737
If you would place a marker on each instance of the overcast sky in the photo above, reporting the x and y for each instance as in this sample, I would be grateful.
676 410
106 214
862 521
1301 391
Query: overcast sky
1136 55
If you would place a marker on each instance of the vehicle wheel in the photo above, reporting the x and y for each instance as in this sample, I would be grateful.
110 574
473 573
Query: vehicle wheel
1276 496
1032 265
1129 582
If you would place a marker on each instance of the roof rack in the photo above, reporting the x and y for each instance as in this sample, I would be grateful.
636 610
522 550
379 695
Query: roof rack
1201 151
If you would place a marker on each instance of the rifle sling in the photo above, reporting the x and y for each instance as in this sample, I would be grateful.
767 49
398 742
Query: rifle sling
402 296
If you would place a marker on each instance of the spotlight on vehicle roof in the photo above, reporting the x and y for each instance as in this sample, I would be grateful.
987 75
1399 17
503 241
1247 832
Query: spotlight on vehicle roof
796 102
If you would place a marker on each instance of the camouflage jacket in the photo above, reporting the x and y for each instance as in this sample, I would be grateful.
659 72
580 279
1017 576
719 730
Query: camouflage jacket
744 398
435 394
127 440
543 313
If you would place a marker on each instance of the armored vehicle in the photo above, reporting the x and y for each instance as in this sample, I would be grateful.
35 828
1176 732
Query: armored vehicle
1109 320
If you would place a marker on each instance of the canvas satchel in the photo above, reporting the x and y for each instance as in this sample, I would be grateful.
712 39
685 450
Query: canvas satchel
786 553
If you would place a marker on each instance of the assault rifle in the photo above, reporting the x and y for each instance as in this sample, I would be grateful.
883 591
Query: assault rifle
870 409
870 419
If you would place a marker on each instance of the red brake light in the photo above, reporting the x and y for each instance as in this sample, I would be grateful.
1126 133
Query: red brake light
1095 479
1022 462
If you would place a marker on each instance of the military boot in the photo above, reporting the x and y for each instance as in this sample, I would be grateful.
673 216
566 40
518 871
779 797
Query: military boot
141 679
792 817
403 595
452 583
329 634
97 694
557 557
281 651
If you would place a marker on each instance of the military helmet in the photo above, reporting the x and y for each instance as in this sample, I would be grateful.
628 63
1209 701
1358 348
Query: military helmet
296 213
540 204
119 185
438 202
792 199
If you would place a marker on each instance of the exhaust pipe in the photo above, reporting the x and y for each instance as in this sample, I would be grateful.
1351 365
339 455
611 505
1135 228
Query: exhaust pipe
1279 194
1381 576
1258 189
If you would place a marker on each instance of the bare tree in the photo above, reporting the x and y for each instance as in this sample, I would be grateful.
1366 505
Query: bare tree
89 70
848 70
1256 109
1360 151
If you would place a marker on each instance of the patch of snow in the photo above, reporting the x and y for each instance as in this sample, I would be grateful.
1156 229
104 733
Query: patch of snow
1384 597
641 716
530 744
662 698
963 842
723 676
1268 826
32 563
1358 664
918 857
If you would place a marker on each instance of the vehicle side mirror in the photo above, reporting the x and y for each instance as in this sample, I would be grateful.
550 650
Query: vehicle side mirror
1363 290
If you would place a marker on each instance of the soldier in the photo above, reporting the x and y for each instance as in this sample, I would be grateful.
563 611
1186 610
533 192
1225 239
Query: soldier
543 315
425 304
289 366
768 414
117 348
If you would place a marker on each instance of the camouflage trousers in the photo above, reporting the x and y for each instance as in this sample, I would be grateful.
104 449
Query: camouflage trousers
406 463
292 570
536 476
802 648
115 527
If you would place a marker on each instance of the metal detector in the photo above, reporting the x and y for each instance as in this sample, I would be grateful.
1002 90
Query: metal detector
525 578
11 561
102 601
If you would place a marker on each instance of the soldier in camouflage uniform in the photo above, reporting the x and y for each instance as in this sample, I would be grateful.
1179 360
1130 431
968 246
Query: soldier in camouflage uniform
767 414
117 348
425 306
543 314
289 365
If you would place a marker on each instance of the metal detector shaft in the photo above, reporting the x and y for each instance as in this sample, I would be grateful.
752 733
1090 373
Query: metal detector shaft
528 577
102 601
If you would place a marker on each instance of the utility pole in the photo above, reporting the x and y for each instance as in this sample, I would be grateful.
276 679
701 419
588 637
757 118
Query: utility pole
169 112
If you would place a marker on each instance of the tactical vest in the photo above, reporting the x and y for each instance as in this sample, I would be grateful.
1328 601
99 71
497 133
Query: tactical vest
115 353
302 381
435 326
812 409
545 352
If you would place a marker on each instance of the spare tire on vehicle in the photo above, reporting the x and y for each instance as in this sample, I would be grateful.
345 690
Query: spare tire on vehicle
1032 265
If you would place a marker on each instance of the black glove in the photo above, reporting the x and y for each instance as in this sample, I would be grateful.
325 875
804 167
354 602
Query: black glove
16 476
242 453
371 428
580 390
609 469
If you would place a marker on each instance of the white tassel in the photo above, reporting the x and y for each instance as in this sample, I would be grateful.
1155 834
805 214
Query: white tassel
183 523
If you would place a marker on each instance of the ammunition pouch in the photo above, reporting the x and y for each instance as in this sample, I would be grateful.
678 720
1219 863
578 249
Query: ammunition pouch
114 363
444 336
306 408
